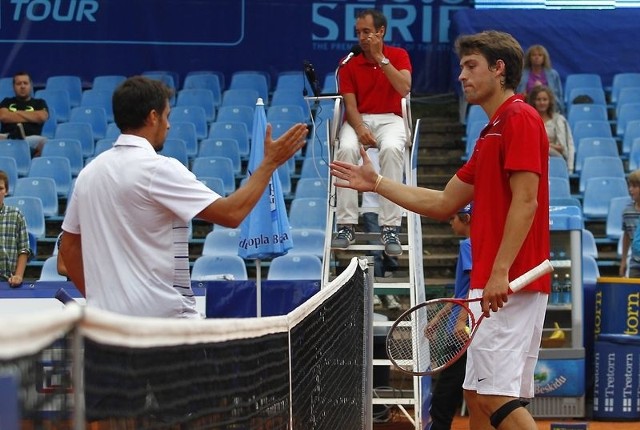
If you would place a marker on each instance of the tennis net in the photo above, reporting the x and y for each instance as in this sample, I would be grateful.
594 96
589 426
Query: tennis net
305 370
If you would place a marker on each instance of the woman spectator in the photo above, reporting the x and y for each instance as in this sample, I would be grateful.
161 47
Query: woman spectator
538 71
557 126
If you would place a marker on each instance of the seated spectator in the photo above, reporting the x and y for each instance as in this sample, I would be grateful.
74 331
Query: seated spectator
22 116
538 71
15 240
557 126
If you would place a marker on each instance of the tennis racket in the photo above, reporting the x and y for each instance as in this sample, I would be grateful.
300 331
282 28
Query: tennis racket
431 336
63 296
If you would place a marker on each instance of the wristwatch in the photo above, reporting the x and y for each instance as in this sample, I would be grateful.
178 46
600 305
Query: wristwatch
384 61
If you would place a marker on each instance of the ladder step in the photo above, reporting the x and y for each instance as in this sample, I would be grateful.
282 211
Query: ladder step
370 248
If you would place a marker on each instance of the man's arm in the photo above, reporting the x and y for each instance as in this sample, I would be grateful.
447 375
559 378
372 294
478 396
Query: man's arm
524 203
231 210
424 201
36 116
71 253
21 265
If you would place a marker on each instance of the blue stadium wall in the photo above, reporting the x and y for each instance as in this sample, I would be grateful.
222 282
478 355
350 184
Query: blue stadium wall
96 37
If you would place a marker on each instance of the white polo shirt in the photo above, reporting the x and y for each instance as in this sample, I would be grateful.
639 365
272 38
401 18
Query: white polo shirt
132 208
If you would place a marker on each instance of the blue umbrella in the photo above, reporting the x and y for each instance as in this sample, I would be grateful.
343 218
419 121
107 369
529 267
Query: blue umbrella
265 232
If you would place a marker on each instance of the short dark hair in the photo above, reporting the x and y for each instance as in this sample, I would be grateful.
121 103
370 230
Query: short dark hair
21 73
495 45
4 178
379 20
135 98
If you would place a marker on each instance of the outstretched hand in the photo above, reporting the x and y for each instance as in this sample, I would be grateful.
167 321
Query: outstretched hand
361 178
280 150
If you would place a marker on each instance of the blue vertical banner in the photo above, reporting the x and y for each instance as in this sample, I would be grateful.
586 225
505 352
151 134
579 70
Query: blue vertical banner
97 37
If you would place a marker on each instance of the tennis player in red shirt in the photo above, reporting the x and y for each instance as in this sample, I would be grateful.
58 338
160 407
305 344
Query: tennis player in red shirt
507 179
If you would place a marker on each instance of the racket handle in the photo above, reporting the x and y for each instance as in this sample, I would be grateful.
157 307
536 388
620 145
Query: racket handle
533 274
63 296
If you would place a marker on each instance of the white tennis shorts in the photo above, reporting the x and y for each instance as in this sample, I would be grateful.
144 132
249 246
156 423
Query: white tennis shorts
503 354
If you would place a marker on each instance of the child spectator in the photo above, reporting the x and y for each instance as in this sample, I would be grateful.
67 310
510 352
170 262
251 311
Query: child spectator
630 261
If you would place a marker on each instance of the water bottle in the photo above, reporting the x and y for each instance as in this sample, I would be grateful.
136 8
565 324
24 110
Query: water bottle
555 289
566 289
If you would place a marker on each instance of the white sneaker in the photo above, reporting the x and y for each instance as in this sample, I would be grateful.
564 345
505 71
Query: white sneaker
392 302
376 301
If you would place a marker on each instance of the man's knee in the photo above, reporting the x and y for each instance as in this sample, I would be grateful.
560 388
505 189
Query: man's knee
503 411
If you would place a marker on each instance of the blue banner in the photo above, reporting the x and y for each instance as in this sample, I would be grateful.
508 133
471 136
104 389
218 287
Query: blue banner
97 37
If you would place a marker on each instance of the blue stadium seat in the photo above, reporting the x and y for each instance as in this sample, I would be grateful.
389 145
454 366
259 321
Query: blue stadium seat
590 270
627 95
291 97
244 97
595 147
292 113
222 148
44 189
9 166
208 81
18 150
58 100
103 145
232 130
186 131
314 167
71 83
213 267
238 113
329 85
55 167
96 117
598 194
613 224
175 148
81 131
6 87
107 82
576 80
31 208
112 131
252 80
559 187
285 179
291 267
631 131
71 149
194 114
594 167
307 241
199 97
597 96
308 213
49 271
312 187
220 167
293 80
590 128
582 112
99 98
622 80
627 112
221 241
214 184
49 126
476 113
558 167
589 246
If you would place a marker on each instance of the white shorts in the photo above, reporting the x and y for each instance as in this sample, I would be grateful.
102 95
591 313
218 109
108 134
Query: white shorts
503 354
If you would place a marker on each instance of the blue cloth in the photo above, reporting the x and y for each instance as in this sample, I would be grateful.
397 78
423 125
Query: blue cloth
265 233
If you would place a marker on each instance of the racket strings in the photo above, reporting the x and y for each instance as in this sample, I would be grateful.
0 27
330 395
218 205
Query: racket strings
430 337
